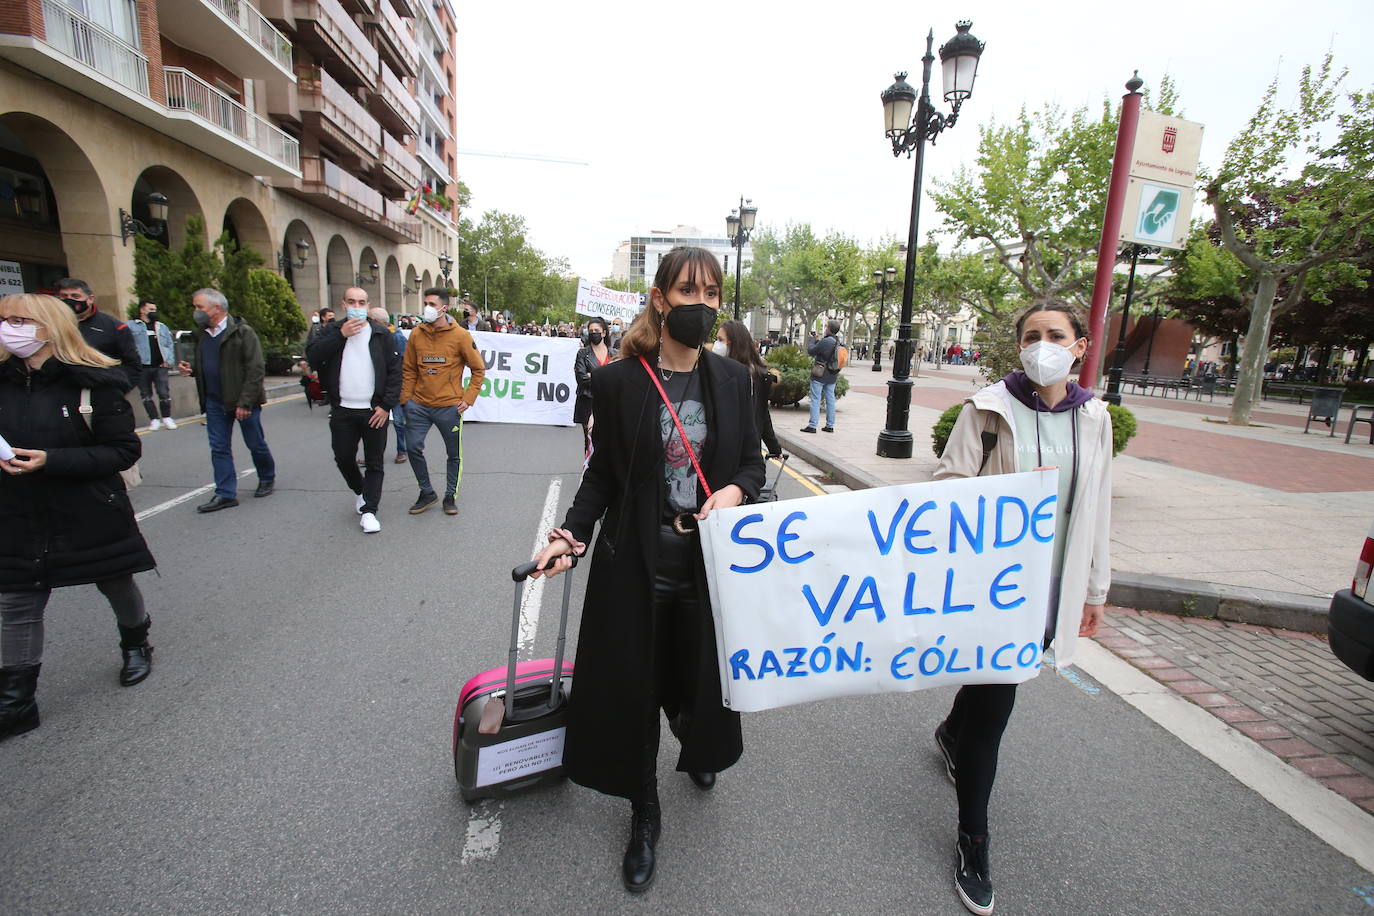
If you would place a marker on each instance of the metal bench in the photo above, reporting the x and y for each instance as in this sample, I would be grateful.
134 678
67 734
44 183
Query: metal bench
1355 417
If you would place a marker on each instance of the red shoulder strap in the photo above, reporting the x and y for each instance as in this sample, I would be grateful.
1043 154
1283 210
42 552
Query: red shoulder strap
691 453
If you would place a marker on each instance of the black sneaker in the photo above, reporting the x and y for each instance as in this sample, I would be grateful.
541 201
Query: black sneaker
450 506
424 502
827 429
972 877
808 429
945 742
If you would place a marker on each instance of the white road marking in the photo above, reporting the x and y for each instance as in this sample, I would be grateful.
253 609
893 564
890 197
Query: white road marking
1336 821
534 588
176 501
483 840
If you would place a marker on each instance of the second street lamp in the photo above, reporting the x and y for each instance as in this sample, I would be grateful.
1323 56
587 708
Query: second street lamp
959 58
738 225
881 279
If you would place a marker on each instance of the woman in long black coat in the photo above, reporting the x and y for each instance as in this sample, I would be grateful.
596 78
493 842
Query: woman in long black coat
65 518
597 353
647 640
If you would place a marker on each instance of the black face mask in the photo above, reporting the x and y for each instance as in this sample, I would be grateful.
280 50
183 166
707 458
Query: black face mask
690 325
152 318
594 338
76 305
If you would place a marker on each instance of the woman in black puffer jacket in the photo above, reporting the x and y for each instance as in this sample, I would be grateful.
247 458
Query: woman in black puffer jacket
65 518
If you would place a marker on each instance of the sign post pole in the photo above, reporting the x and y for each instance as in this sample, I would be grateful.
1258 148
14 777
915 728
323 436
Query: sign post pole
1111 227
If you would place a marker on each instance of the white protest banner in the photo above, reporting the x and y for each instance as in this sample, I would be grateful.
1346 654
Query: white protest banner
876 591
597 301
529 379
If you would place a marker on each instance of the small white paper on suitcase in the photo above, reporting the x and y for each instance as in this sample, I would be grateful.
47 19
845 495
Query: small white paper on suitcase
512 759
875 591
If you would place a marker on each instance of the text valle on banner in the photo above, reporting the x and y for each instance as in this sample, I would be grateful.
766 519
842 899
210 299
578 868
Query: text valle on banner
882 590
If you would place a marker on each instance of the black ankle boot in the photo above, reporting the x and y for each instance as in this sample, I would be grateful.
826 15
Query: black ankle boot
646 820
705 781
138 655
18 708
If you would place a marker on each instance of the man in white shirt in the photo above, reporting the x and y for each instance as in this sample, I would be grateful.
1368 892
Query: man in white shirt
360 369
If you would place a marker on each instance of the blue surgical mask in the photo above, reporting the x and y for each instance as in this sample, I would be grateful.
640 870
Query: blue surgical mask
360 314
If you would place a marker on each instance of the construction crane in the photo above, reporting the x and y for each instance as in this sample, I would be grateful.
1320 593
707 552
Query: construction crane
534 157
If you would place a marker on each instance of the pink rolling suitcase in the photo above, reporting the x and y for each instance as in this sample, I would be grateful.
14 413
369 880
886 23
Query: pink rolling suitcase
509 725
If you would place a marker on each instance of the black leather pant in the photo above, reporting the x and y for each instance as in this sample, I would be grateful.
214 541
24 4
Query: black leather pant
677 611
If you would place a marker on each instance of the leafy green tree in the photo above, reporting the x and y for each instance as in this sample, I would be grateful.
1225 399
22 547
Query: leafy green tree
260 297
1322 199
1036 198
518 277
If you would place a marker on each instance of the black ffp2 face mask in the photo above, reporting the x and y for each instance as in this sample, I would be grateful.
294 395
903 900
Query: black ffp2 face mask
690 325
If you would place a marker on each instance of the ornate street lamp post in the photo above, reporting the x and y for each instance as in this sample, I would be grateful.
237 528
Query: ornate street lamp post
881 279
959 59
738 226
157 214
445 265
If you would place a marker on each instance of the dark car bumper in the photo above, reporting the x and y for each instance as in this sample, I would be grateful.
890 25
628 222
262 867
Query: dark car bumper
1351 628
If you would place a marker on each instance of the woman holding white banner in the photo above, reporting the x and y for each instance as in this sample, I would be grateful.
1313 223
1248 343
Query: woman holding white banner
597 353
1033 418
674 439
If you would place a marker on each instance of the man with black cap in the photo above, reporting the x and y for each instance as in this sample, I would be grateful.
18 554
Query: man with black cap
106 333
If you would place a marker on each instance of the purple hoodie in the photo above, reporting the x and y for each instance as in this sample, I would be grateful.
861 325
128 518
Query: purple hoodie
1022 389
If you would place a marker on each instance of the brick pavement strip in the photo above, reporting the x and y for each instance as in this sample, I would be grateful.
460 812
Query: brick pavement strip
1279 688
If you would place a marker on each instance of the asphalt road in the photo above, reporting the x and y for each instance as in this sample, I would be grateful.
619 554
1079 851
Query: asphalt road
290 753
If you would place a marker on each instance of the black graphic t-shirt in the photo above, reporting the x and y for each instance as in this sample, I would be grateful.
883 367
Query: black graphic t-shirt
684 390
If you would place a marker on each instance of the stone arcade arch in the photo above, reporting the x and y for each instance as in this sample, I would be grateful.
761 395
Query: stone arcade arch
87 219
305 280
182 204
339 270
366 259
249 227
391 283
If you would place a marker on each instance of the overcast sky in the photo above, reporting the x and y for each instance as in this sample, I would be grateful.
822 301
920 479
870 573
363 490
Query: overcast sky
679 109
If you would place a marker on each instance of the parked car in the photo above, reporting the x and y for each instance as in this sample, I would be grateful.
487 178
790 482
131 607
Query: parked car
1350 623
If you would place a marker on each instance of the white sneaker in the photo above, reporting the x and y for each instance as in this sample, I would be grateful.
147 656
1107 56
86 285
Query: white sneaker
156 424
369 523
167 423
359 505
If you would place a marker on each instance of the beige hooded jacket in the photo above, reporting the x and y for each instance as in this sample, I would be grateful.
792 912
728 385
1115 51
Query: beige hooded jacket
1087 572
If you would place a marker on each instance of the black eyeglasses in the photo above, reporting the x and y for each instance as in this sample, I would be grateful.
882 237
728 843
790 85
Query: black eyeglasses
19 321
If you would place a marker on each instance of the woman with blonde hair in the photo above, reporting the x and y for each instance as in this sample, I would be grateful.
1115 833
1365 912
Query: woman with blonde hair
674 439
65 518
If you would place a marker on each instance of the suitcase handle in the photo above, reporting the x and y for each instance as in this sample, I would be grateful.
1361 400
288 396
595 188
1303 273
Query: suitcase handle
520 574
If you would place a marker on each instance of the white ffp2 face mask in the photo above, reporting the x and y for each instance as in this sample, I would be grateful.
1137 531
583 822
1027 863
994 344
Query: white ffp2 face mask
1046 362
720 348
430 314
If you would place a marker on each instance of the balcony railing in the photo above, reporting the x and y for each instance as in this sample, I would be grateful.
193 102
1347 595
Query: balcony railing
343 110
396 32
101 50
256 27
400 99
436 162
438 117
188 92
401 162
345 34
396 218
320 176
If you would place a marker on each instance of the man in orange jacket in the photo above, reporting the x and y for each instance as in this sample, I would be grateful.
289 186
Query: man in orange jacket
432 394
